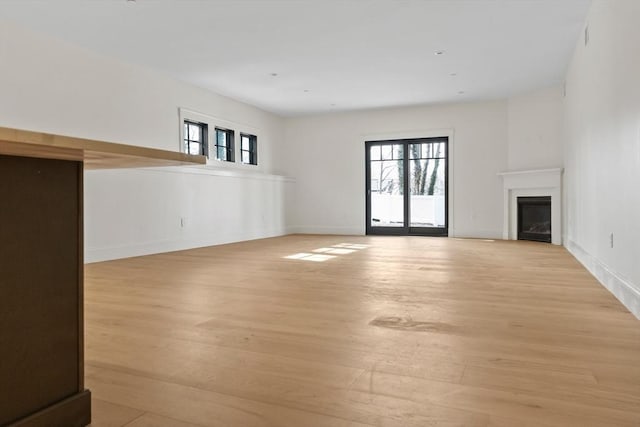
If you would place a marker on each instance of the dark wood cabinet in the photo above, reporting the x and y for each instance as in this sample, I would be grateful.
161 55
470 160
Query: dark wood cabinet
41 288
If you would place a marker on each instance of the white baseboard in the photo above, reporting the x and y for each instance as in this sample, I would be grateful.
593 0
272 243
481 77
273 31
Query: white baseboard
97 254
317 229
359 231
476 234
622 289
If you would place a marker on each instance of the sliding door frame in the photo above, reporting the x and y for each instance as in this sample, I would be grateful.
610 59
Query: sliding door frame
406 229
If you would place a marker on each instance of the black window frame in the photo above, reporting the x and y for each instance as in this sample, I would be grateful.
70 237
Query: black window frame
229 148
253 149
407 229
204 134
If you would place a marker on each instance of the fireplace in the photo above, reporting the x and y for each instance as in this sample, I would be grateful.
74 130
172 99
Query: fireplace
537 183
534 218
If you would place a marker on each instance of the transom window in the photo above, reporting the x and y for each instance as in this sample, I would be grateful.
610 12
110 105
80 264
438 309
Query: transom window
249 149
224 147
195 138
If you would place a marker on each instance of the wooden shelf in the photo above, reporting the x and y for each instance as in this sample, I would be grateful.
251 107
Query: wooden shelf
94 154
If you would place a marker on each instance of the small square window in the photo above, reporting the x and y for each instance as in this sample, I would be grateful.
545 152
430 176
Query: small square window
195 138
224 146
249 149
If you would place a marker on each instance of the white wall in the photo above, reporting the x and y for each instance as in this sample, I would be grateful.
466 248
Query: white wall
602 157
325 153
47 85
139 211
535 130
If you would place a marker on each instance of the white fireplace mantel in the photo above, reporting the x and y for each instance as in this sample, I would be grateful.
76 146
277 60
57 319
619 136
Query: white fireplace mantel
532 183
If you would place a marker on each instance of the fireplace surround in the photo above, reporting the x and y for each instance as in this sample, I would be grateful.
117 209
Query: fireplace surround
532 183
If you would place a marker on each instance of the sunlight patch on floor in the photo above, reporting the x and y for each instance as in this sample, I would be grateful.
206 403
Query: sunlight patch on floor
305 256
327 253
334 251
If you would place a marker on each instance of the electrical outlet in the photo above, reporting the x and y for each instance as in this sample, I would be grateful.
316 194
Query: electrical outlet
611 239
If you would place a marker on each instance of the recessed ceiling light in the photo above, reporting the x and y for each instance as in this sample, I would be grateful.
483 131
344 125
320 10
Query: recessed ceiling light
439 52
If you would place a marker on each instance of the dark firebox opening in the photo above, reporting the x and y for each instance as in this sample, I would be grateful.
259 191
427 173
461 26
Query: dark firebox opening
534 218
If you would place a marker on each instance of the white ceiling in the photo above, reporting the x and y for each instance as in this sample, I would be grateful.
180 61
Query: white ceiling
327 54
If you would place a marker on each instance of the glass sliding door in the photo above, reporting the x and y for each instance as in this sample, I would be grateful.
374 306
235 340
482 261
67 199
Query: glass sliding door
387 185
427 185
407 186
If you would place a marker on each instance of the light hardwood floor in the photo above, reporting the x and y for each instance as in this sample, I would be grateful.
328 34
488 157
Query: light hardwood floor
402 331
